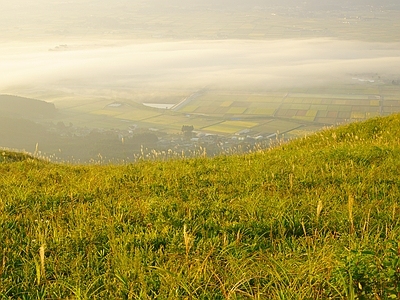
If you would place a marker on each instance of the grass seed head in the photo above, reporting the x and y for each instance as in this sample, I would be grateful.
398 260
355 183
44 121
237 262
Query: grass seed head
319 209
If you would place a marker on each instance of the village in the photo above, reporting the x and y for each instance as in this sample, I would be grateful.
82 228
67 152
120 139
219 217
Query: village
135 143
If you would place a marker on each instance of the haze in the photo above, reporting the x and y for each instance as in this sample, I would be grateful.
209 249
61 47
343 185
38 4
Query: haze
192 64
114 48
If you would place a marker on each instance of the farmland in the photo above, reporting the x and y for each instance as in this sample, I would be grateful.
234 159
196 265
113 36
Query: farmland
292 112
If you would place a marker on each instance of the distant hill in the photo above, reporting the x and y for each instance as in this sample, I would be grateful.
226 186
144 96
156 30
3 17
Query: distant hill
15 106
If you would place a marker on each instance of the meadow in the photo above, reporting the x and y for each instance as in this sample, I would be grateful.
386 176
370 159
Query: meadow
314 218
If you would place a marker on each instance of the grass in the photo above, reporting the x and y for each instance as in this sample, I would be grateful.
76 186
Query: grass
316 218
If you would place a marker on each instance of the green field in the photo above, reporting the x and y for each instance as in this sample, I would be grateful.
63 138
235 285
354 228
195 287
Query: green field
211 110
316 218
321 106
230 126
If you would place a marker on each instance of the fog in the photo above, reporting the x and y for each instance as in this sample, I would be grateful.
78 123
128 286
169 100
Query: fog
83 48
191 64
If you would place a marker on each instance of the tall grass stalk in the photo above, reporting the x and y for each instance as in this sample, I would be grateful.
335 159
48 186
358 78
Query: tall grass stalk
319 209
42 262
350 205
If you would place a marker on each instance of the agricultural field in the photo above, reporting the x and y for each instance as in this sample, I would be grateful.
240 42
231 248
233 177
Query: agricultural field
230 127
319 107
291 111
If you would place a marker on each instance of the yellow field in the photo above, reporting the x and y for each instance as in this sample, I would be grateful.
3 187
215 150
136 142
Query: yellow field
106 112
221 128
260 111
374 102
311 113
168 119
304 118
244 124
357 115
189 108
340 102
264 98
137 115
231 126
200 123
236 110
226 103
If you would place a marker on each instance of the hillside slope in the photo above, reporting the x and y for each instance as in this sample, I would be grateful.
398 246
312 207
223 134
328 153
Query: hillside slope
27 108
315 218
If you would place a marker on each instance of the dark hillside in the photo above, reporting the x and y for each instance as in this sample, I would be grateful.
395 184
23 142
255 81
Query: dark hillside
18 133
27 108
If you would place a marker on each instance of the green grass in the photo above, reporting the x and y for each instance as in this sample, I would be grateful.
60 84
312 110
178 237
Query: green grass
316 218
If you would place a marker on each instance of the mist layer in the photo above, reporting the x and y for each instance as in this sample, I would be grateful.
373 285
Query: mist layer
191 64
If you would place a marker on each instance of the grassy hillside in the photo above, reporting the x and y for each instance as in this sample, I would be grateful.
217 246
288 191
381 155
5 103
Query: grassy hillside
317 218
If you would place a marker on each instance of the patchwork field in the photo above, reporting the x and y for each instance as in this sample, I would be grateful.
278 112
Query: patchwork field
319 107
292 112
